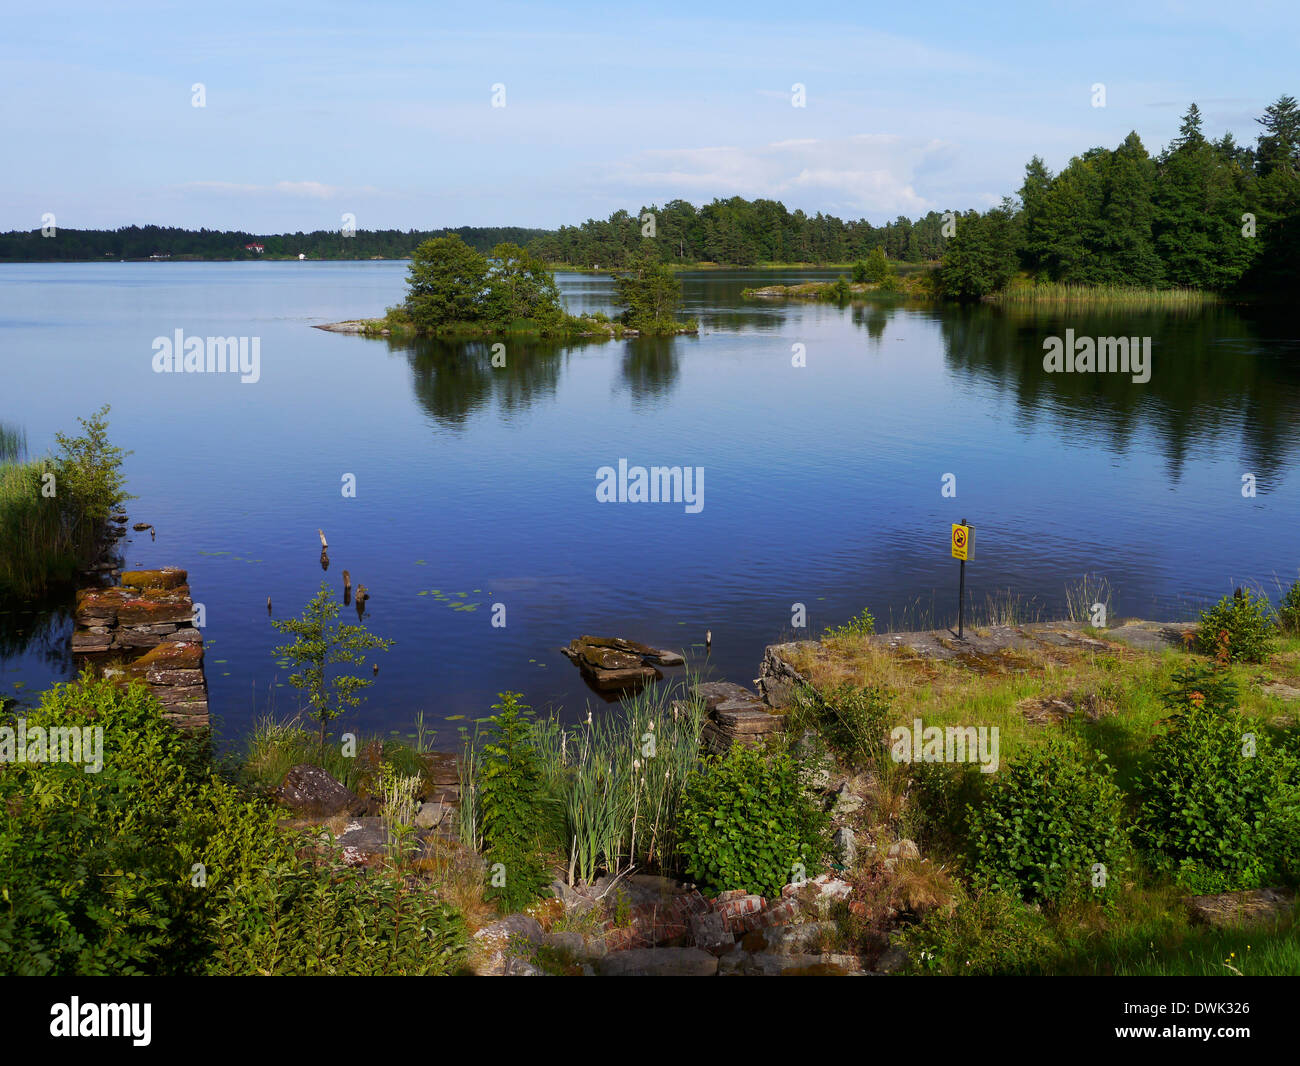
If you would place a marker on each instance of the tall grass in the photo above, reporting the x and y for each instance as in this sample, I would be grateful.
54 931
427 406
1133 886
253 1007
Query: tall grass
13 443
1085 594
40 544
613 782
53 510
1104 297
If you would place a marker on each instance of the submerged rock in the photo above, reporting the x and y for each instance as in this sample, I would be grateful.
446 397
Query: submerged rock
612 663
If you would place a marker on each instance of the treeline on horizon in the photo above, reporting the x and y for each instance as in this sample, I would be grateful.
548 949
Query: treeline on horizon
144 242
736 232
1207 215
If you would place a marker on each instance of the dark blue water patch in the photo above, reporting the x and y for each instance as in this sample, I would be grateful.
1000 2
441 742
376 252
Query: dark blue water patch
477 485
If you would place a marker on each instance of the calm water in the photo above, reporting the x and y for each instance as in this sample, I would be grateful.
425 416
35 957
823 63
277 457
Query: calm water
822 484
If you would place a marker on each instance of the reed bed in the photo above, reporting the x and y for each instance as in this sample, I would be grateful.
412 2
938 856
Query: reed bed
1105 297
38 545
613 783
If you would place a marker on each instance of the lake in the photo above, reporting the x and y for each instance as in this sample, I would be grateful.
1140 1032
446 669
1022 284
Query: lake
476 485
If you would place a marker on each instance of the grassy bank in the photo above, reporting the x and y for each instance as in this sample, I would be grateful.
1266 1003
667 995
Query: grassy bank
1173 771
53 510
396 323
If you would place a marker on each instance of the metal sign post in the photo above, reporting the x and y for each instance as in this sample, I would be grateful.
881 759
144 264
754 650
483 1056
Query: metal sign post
963 547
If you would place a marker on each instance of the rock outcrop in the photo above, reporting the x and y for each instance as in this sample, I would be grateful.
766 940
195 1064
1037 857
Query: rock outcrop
612 663
147 625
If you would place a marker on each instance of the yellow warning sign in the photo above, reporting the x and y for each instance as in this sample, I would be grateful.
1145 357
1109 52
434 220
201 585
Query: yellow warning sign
963 542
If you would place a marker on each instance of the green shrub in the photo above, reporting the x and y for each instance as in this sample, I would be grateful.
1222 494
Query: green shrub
854 721
746 822
861 626
148 865
1051 815
1220 800
1288 611
860 271
1239 628
509 804
989 934
876 267
840 291
293 922
940 799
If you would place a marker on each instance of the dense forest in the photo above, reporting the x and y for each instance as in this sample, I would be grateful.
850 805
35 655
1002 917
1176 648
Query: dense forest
741 233
1202 214
145 242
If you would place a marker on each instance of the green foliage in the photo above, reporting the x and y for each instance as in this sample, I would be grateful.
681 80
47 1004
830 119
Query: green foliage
981 255
940 799
155 865
746 823
141 242
862 625
839 291
1288 611
875 268
1239 627
1133 223
89 469
520 288
321 642
1051 815
651 293
1200 685
618 780
1220 799
509 804
738 232
451 288
446 283
991 933
854 721
296 923
53 510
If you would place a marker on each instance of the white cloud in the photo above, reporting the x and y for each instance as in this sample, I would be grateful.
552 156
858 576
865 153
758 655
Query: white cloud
311 189
863 174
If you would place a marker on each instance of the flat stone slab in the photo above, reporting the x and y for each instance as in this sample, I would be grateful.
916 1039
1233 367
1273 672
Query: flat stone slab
713 693
1153 636
1240 908
168 577
1281 690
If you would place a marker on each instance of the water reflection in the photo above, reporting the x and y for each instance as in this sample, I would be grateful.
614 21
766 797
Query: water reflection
1215 374
650 366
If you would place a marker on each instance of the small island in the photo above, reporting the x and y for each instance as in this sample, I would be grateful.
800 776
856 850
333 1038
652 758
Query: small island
455 291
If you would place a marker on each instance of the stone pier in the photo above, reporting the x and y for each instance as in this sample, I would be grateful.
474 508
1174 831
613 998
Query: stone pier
143 629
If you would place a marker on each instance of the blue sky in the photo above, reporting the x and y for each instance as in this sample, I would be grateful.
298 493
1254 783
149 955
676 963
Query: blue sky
384 110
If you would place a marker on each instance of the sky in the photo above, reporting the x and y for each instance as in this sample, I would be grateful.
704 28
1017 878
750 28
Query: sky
384 111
